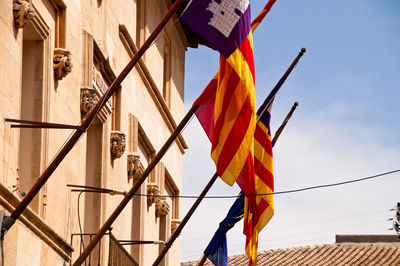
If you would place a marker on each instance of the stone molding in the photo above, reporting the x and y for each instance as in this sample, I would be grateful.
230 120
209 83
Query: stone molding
117 144
62 63
88 100
134 166
153 191
30 219
23 11
162 206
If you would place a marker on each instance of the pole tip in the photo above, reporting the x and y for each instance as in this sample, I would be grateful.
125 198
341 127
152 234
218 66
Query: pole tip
296 104
303 50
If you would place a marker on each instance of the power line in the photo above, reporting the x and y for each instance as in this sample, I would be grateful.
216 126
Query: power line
284 191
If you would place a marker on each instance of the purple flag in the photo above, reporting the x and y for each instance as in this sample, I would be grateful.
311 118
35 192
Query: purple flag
225 24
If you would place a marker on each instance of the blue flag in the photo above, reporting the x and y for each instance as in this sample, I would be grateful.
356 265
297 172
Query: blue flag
217 249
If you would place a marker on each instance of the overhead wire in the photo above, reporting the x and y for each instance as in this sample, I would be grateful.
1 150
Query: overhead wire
281 192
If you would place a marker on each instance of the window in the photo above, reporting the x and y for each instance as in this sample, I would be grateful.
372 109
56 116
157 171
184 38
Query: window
35 82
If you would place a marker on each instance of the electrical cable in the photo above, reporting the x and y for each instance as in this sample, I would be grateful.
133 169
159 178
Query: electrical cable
281 192
79 223
103 190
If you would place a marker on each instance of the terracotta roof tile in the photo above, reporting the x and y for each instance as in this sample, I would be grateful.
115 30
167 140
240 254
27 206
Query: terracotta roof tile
332 254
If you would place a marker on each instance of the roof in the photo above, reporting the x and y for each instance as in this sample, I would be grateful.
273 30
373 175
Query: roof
344 253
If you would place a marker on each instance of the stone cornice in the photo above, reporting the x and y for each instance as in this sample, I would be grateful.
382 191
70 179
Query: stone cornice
151 86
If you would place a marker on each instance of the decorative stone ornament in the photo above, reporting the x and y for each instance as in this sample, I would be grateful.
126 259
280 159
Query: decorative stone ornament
134 166
88 100
162 207
62 63
174 224
153 190
23 12
118 143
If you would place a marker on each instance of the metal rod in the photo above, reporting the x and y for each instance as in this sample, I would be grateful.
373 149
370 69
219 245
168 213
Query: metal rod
140 242
135 188
287 118
90 187
37 124
87 120
185 220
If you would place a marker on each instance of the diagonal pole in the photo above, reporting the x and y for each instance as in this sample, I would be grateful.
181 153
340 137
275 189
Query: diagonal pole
283 125
9 221
135 188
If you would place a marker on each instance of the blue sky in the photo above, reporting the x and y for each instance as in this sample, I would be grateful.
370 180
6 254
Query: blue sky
347 125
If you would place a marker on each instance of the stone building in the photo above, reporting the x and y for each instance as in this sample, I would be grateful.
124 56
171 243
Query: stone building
57 58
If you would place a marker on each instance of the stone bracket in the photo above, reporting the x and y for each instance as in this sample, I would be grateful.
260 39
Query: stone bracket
174 224
62 63
88 100
23 11
153 191
134 166
162 206
117 144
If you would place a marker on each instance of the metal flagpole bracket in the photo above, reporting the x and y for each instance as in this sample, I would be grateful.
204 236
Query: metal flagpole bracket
6 223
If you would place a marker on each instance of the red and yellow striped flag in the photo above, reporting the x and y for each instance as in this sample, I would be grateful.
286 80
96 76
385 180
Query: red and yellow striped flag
227 115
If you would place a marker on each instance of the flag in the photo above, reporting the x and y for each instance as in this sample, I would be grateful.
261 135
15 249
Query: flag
227 105
231 119
217 248
260 209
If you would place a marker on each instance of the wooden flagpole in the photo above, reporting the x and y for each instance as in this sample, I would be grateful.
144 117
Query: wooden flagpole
287 118
276 136
135 188
9 221
178 230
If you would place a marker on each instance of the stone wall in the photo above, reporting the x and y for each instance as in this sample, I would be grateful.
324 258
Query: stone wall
58 57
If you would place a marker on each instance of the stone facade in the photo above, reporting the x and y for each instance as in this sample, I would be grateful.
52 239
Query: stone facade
58 58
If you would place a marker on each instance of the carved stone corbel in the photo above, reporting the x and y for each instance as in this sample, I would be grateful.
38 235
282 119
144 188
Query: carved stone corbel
162 206
23 11
88 100
174 224
118 143
62 63
153 190
134 166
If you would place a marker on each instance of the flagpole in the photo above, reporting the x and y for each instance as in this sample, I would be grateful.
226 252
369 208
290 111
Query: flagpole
283 125
135 188
282 80
189 214
274 140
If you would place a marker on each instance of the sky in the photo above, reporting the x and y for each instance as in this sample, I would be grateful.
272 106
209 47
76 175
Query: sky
346 126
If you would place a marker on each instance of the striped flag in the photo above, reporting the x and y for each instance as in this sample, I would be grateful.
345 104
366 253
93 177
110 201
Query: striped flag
260 209
227 105
230 116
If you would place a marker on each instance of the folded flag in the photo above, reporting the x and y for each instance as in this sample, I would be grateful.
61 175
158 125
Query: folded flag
217 249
